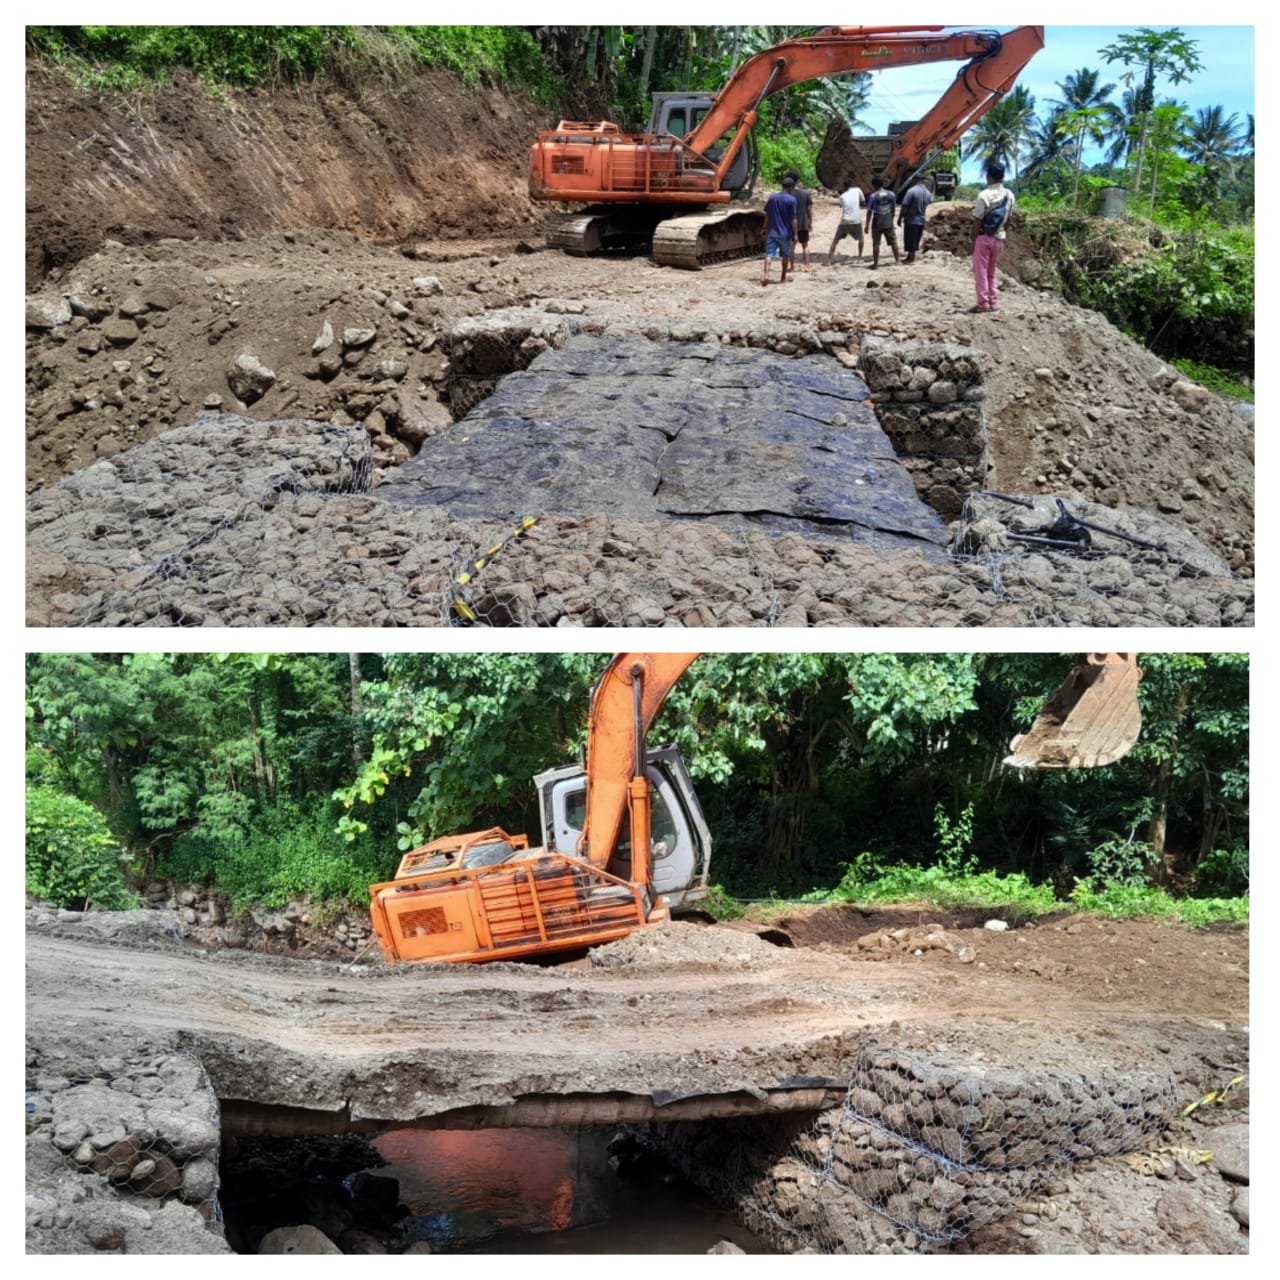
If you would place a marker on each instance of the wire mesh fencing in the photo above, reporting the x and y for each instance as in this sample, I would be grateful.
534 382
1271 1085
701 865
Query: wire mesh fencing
920 1154
1062 561
147 1127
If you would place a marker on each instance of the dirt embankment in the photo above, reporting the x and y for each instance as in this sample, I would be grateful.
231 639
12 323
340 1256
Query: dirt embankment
383 162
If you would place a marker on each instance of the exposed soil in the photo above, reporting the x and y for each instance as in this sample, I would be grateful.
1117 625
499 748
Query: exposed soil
695 1007
193 232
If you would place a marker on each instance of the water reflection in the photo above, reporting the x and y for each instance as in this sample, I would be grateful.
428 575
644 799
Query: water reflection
544 1191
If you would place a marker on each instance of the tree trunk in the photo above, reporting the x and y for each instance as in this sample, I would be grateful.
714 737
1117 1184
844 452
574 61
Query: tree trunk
357 708
646 65
1159 826
737 50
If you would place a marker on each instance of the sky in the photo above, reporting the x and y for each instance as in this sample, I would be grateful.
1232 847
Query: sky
1227 53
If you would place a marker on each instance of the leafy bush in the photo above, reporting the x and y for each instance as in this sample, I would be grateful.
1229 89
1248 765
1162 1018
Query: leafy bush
721 906
285 853
784 151
72 859
866 880
127 57
1225 872
1218 381
1118 863
954 839
1121 901
1193 291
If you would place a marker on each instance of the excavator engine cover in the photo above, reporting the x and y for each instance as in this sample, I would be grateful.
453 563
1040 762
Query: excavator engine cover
1093 719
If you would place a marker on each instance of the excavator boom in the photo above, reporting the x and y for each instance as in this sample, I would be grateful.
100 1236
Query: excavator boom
1092 719
624 705
994 62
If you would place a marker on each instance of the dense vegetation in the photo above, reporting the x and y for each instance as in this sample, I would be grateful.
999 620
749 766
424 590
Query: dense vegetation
1178 275
858 775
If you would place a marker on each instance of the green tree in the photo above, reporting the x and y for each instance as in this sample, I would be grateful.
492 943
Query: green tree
1085 124
1167 134
1213 139
1004 133
1168 54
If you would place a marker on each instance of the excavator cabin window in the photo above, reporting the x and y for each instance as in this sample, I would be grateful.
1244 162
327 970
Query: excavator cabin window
662 824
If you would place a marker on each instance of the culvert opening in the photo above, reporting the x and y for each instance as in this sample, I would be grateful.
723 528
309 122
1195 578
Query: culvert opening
581 1189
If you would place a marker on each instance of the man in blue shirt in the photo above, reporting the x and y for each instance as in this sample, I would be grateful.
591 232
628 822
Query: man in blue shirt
880 206
779 227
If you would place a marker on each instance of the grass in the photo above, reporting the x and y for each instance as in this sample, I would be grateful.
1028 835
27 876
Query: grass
1218 381
865 882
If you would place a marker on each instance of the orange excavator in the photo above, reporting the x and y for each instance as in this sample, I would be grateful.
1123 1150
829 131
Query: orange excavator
624 840
671 186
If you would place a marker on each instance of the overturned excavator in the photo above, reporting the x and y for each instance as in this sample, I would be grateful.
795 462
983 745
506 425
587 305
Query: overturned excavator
670 189
624 842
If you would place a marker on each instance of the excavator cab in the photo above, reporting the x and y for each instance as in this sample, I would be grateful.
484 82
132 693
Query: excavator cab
681 113
680 844
1092 719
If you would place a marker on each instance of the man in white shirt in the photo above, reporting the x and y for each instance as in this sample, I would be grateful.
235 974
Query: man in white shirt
850 219
990 217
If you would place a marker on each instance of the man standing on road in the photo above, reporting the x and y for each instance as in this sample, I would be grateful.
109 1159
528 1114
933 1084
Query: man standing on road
911 216
880 206
779 227
991 213
804 216
850 219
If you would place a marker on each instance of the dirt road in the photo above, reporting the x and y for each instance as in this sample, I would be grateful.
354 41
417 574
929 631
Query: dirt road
681 1008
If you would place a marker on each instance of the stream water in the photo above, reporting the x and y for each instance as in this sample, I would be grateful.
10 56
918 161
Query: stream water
545 1191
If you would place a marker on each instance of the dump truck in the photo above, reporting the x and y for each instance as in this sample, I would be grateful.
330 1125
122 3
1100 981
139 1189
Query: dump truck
681 188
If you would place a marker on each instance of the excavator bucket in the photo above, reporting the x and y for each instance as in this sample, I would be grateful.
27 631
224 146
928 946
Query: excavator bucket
1093 719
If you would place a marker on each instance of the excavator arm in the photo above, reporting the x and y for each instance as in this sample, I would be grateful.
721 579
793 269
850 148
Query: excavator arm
624 705
994 61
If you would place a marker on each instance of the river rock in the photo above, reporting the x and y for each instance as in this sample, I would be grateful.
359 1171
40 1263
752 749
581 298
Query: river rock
324 339
1230 1147
120 332
302 1239
250 379
47 313
1240 1207
1191 397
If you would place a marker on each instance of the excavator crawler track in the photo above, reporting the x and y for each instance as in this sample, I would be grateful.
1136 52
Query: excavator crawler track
696 240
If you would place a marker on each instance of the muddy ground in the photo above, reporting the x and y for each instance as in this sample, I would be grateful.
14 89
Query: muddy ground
187 237
714 1007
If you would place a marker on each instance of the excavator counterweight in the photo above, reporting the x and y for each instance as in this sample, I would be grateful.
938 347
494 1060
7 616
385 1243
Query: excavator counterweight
1092 719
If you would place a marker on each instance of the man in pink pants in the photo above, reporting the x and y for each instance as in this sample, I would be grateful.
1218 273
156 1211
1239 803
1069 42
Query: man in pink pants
990 216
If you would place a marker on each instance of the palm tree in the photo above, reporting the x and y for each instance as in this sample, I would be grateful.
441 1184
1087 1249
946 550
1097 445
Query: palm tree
1005 130
1213 141
1084 123
1045 139
1124 143
1086 102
